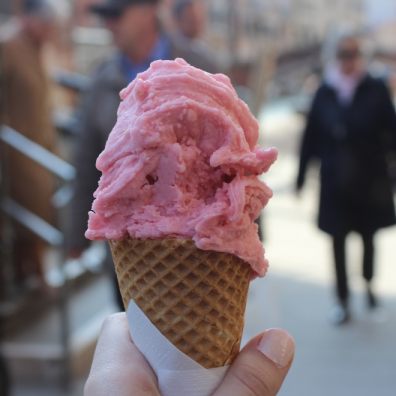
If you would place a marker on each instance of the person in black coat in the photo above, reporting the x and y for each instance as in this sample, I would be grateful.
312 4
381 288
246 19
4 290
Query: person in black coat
350 130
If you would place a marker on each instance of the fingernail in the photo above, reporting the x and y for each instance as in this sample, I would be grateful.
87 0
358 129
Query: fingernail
278 346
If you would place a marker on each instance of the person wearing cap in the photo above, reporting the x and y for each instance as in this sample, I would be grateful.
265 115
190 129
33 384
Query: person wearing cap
25 107
139 40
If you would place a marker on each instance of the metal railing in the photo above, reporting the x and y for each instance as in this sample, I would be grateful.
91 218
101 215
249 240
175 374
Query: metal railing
12 210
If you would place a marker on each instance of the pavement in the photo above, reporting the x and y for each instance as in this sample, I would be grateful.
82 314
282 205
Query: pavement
355 360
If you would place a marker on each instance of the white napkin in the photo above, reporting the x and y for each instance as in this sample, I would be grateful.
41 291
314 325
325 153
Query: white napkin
178 374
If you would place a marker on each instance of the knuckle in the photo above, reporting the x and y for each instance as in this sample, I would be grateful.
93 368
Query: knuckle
115 317
90 388
100 383
253 380
111 319
144 384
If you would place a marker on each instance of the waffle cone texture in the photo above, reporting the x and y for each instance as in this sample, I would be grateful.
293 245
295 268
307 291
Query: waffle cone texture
195 298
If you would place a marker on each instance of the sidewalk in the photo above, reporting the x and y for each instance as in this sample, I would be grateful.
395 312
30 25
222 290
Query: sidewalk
355 360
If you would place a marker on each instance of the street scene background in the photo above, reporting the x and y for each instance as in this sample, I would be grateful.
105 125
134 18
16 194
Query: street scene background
275 51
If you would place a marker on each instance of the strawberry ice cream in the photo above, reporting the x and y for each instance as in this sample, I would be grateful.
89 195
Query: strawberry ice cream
182 162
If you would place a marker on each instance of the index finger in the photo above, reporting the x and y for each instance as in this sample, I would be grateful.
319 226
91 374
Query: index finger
118 367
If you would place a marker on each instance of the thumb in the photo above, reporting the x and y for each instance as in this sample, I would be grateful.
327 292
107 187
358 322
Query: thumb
261 366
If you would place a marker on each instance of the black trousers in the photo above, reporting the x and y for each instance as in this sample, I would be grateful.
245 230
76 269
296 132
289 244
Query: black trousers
340 262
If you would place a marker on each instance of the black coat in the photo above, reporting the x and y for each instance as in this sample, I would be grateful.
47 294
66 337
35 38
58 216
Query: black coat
352 142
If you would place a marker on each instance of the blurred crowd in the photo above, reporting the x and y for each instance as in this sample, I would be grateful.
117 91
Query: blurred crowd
350 125
28 99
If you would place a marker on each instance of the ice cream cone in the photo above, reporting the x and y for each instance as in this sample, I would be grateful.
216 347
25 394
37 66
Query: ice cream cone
196 298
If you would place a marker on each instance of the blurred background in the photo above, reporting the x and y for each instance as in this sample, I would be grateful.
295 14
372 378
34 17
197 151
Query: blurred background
62 64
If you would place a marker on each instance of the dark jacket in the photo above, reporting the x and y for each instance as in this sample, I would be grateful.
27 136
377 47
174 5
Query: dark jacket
351 142
97 116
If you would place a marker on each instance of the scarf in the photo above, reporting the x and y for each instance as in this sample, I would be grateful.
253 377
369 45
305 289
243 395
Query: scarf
344 85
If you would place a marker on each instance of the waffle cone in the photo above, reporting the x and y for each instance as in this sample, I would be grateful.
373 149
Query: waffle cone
196 298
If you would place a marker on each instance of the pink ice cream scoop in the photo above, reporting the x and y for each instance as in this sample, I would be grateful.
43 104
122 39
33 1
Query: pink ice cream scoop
182 161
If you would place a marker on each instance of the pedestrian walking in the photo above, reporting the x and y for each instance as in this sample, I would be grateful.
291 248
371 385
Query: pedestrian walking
351 128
